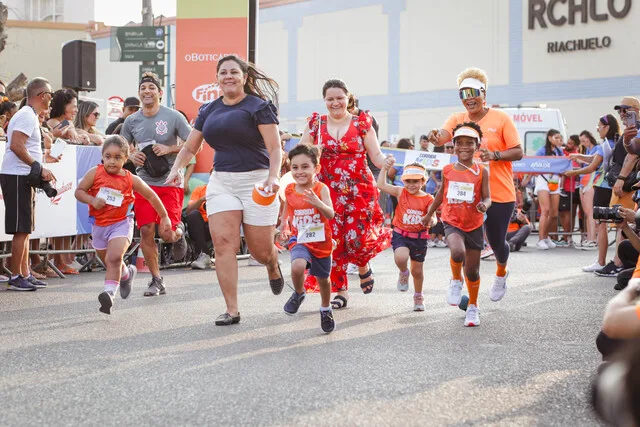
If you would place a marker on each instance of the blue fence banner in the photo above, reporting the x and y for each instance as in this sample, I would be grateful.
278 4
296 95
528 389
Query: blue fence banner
86 158
539 164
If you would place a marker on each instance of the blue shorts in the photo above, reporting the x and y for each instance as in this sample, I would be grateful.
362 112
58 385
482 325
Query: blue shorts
417 247
318 267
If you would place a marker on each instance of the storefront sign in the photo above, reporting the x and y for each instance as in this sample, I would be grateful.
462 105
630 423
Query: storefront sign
558 13
543 11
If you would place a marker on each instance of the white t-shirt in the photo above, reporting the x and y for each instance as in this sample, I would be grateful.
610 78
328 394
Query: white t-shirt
26 122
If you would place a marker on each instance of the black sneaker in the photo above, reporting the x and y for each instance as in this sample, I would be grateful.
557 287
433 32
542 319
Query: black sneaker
609 270
35 282
106 302
20 284
326 321
292 306
125 285
179 247
155 288
623 278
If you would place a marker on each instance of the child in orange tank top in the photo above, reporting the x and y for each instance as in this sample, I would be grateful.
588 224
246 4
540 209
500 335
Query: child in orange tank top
410 235
465 198
108 190
306 214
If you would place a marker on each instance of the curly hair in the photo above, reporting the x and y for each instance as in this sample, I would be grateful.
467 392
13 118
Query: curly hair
61 98
258 83
474 73
471 125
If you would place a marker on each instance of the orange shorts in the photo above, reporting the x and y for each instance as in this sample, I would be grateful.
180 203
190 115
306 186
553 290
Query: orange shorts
171 198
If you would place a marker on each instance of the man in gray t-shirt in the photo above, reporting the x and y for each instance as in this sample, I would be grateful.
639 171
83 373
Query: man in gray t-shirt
159 127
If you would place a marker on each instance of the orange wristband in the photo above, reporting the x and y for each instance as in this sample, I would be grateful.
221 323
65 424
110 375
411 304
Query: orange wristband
638 310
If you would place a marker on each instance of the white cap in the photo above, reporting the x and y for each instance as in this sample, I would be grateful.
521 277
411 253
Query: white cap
472 83
467 131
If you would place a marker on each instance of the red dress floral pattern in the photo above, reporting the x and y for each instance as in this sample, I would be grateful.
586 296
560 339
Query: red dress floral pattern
358 226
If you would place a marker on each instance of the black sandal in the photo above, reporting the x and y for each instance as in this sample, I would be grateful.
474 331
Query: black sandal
367 287
225 319
277 284
339 302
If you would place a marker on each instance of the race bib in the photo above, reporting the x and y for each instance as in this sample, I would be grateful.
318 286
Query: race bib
311 233
111 196
460 191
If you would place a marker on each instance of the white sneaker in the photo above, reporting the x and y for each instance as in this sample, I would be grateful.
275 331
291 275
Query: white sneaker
486 252
542 245
75 264
454 294
352 269
593 267
498 288
441 244
203 262
431 244
473 316
550 243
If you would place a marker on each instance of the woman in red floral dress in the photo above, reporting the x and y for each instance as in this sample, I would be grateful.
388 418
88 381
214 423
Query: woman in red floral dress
357 227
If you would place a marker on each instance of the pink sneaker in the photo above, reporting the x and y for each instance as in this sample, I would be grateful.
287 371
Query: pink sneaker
403 281
418 302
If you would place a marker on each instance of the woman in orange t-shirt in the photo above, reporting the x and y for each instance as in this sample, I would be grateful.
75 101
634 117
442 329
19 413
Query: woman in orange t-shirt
500 145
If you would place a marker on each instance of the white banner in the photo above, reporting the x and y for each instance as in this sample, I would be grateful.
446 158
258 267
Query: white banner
57 216
430 160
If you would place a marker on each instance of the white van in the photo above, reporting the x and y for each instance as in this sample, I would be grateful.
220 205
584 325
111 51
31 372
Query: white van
533 123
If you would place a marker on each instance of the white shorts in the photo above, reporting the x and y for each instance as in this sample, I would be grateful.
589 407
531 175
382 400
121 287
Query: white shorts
543 185
231 191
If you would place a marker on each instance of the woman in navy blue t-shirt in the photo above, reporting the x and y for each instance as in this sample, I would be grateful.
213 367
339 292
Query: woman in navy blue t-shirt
242 127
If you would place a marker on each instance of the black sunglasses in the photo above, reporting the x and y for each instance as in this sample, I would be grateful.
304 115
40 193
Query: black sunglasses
45 92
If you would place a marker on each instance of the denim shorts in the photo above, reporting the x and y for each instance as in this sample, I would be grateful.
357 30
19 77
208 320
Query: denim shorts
100 235
318 267
417 247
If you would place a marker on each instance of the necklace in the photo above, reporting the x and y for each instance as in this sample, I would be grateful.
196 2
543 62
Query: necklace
470 169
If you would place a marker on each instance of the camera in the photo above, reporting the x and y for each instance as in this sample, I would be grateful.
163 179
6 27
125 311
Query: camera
605 214
35 180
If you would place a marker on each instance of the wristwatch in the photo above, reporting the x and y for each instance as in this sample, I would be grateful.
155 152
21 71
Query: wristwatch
624 178
496 154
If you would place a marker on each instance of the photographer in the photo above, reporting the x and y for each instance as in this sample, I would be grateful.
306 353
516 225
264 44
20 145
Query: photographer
518 231
19 165
619 172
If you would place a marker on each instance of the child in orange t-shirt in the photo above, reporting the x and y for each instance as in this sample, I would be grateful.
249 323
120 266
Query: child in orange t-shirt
465 198
308 209
108 190
410 236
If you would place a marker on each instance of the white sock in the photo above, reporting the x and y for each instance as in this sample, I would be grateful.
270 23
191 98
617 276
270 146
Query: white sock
124 275
15 277
325 308
110 286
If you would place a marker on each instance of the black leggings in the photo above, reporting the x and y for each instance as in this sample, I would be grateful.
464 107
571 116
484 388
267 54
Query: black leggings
496 226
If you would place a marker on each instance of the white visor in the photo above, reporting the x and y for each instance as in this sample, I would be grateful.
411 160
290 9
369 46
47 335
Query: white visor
472 83
466 131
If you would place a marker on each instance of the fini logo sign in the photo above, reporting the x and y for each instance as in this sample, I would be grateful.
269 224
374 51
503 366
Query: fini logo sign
206 93
558 13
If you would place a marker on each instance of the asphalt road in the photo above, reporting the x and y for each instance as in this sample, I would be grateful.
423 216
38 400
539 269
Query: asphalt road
161 361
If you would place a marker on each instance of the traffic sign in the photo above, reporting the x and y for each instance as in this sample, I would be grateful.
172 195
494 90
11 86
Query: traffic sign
137 43
157 69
